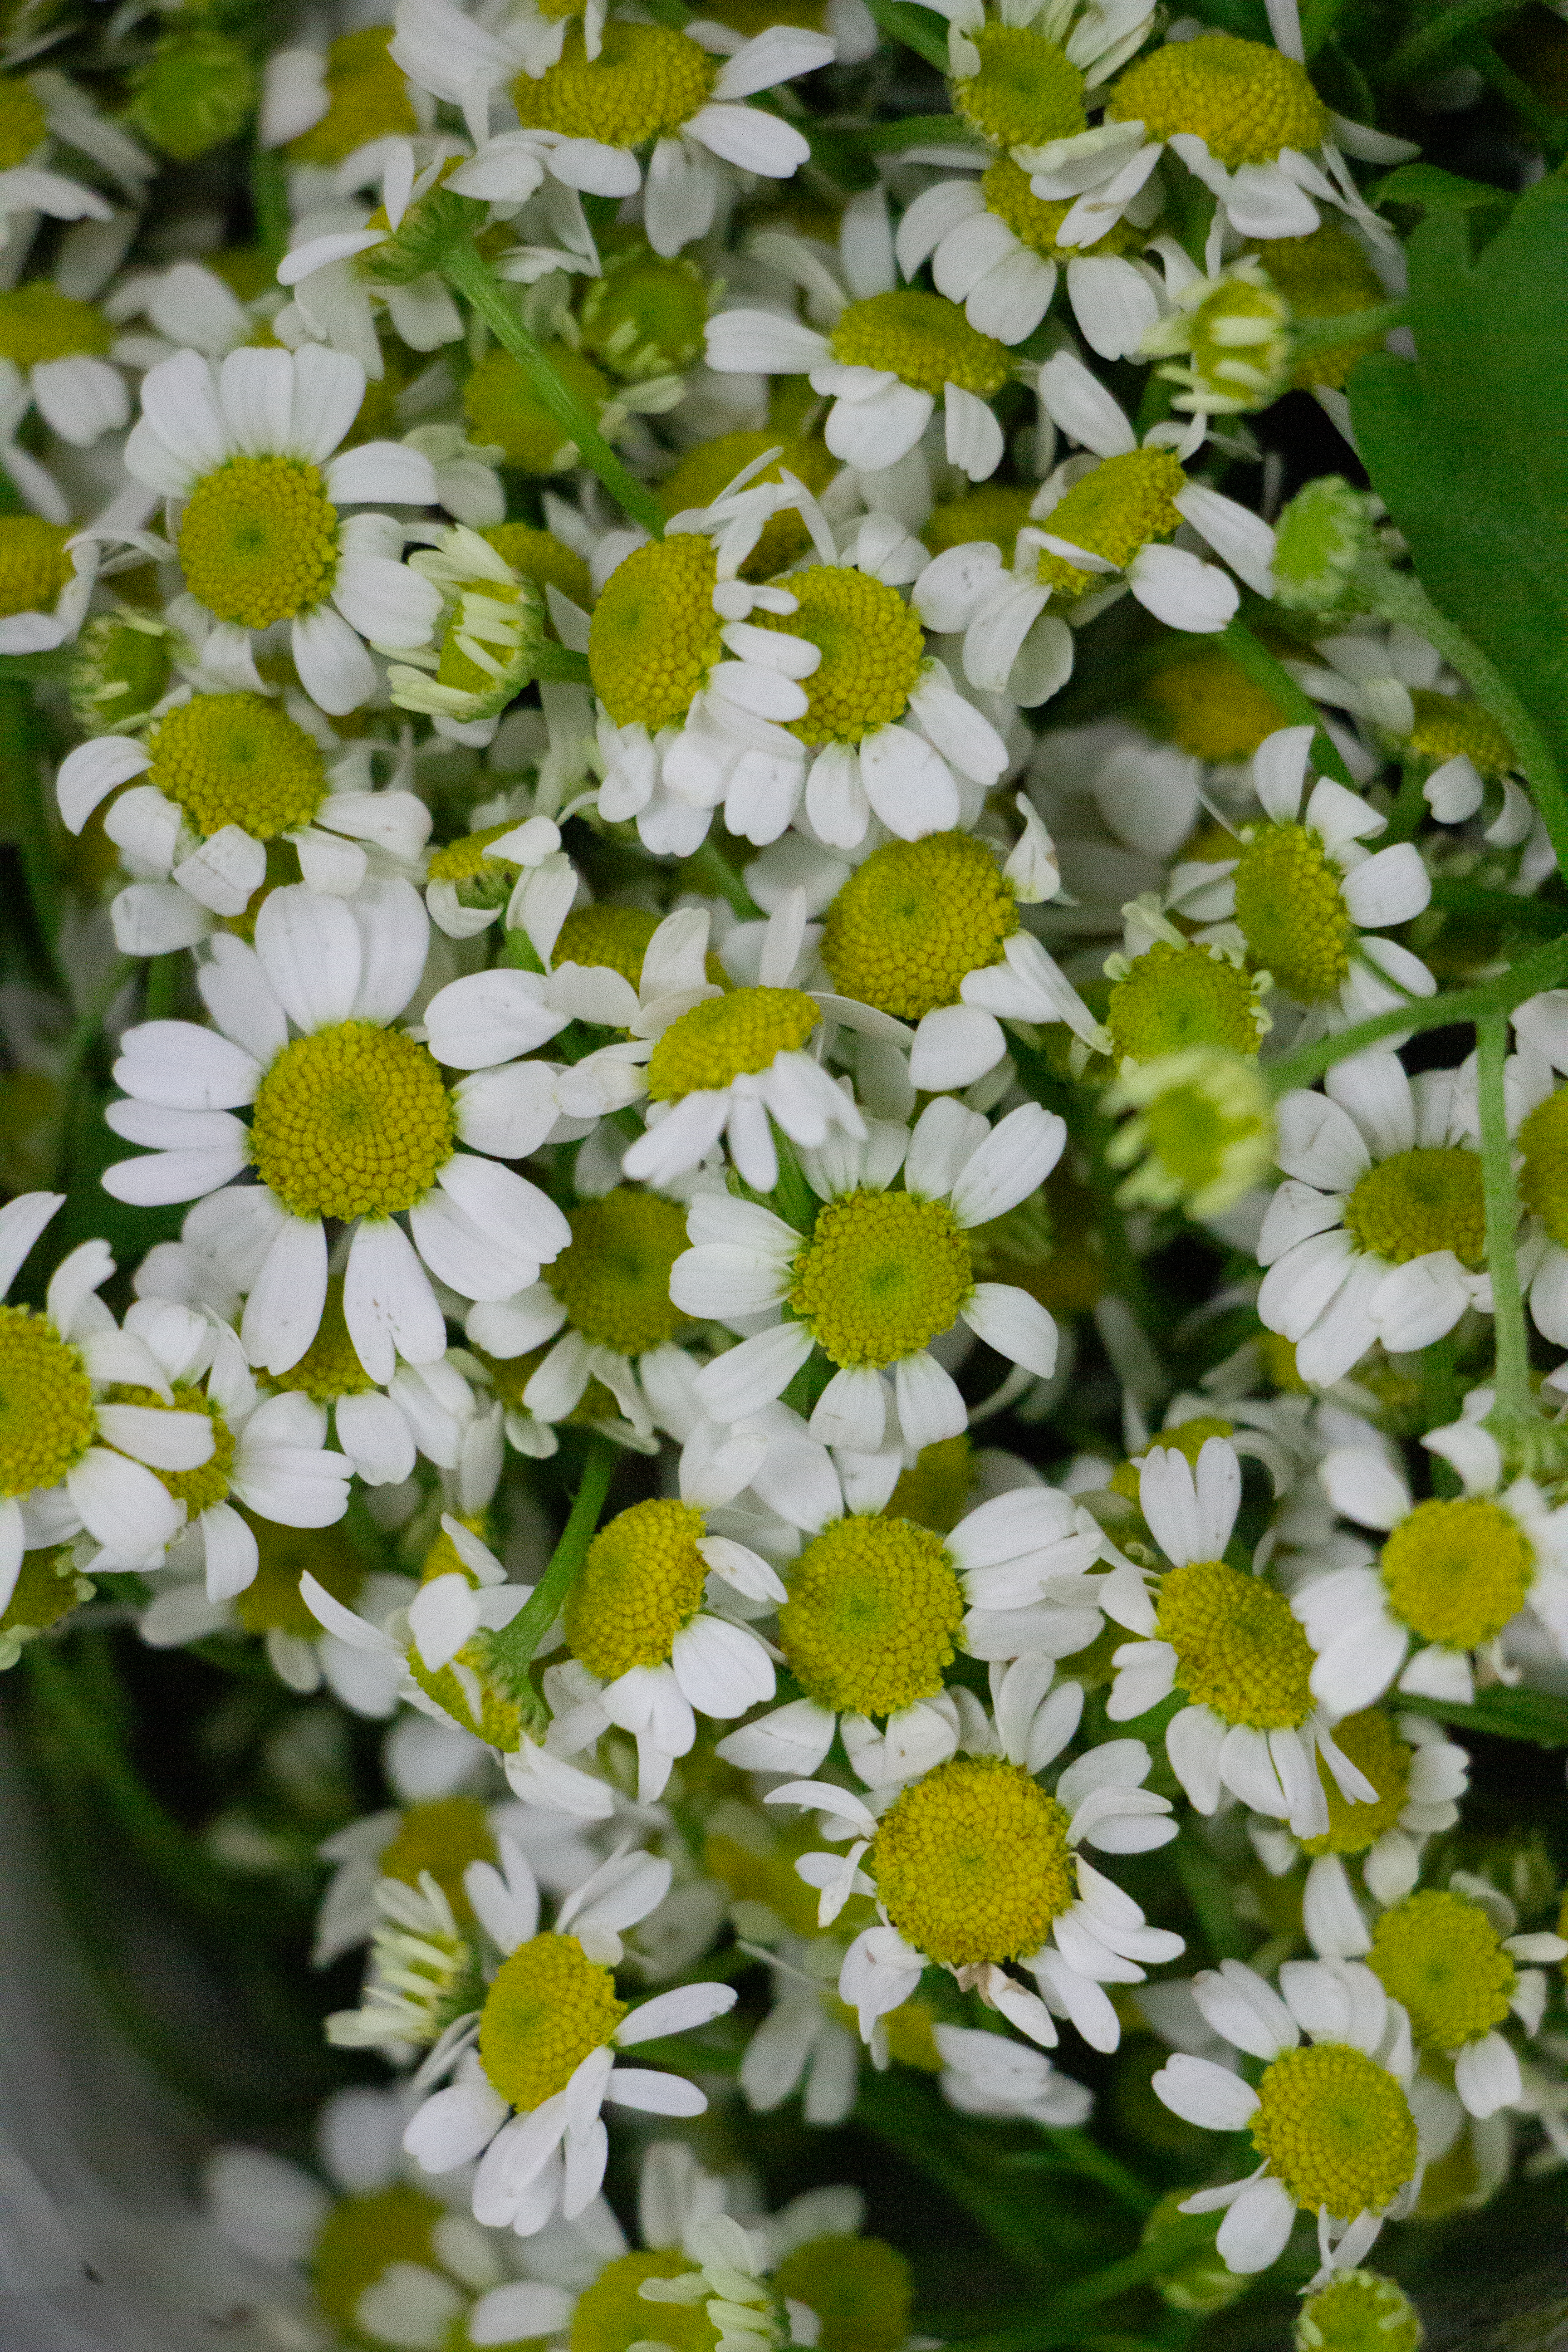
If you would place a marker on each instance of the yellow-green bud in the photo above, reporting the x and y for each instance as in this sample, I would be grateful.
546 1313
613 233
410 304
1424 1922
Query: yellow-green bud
197 89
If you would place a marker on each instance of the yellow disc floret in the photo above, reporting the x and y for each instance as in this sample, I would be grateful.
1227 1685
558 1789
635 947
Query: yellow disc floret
613 1278
996 511
1126 503
200 1488
1543 1178
922 339
860 2289
360 2238
934 1490
1372 1743
1175 997
973 1863
611 2315
708 469
1035 221
470 1691
655 635
1243 100
727 1038
1439 1954
352 1122
34 565
46 1421
503 408
1291 912
1335 2128
330 1367
1205 703
442 1836
1417 1202
538 556
39 323
882 1275
1358 2311
873 1610
1238 1649
1450 725
640 1584
548 2008
613 937
238 759
1324 275
368 99
24 125
1026 92
872 647
258 539
645 82
1457 1570
915 920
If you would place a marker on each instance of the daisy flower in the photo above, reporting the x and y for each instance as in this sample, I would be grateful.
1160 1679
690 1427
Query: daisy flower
886 356
244 454
644 106
441 1834
225 775
73 1454
1540 1105
1329 2119
878 1608
536 2063
1227 1642
1100 525
886 1269
1379 1233
332 276
975 1867
60 353
992 2074
349 1119
1453 1573
48 573
41 110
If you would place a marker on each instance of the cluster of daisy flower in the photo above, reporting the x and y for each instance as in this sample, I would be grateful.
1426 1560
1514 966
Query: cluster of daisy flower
786 1155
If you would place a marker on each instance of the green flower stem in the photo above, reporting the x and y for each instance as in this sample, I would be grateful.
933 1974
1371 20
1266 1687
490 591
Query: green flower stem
1068 2150
1250 654
1544 966
708 869
269 203
1349 327
512 1649
474 279
917 28
85 1032
25 816
1510 1339
1501 906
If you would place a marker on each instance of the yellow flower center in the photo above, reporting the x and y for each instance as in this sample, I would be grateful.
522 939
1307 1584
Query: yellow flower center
973 1863
881 1275
34 565
915 920
611 2315
481 880
1207 703
503 408
38 323
442 1836
538 556
645 84
1291 912
872 647
1457 1570
258 539
46 1419
548 2008
934 1490
645 316
368 100
352 1122
704 471
271 1603
1543 1178
200 1488
238 759
1450 724
991 510
727 1038
1238 1649
1126 503
613 1276
861 2289
1358 2311
1370 1741
1035 221
1242 98
874 1606
922 339
640 1584
1026 92
1324 276
471 1692
1440 1956
24 125
655 635
1335 2128
616 938
1176 997
360 2238
1417 1202
330 1367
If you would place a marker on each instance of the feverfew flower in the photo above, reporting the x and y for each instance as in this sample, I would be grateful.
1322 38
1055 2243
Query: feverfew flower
1539 1107
39 111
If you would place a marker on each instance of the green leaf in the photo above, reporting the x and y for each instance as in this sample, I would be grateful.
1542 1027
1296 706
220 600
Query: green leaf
921 29
1466 443
1535 1716
1426 187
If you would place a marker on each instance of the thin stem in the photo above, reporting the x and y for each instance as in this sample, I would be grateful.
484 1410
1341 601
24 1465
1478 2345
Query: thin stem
85 1030
1409 808
513 1647
474 279
1514 1402
1071 2150
1351 327
709 869
1060 2321
1544 968
1295 706
269 203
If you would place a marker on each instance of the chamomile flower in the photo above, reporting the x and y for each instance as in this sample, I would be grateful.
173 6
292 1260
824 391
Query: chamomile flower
1541 1107
537 2062
992 2074
41 111
888 354
349 1119
878 1608
886 1270
975 1868
47 578
1378 1233
1101 524
244 452
331 267
1453 1573
485 645
59 349
1329 2119
1253 1726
